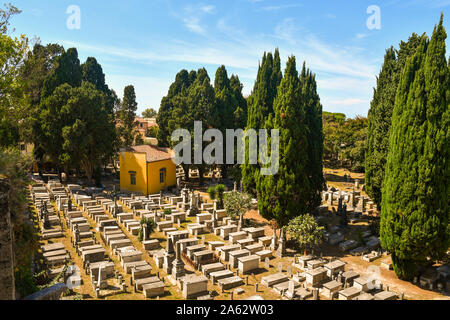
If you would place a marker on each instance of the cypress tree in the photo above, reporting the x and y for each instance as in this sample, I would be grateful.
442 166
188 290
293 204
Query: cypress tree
283 196
179 87
260 107
128 115
379 122
380 115
225 106
313 112
415 198
240 112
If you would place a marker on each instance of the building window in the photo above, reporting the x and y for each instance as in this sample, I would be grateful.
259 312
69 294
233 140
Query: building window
162 175
133 178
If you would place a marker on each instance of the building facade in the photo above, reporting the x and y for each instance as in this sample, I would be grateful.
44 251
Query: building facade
147 169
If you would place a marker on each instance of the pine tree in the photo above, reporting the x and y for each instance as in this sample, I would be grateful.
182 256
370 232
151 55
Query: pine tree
68 71
128 116
313 112
284 195
415 200
380 115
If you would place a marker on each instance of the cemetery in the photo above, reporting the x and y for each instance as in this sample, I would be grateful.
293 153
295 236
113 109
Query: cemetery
195 252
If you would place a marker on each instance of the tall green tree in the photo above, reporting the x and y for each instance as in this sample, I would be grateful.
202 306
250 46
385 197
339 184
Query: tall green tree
240 112
200 106
284 195
315 138
13 52
128 116
179 87
225 106
260 107
380 115
68 70
415 197
89 133
39 64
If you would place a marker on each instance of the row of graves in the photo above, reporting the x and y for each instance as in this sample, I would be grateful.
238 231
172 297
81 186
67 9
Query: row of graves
42 196
348 214
55 256
313 278
109 218
226 263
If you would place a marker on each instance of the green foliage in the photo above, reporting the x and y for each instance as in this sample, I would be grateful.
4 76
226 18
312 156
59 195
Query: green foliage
12 54
260 107
315 138
212 193
5 16
344 141
149 225
149 113
284 196
415 202
220 189
67 71
152 132
380 114
14 167
237 203
39 64
127 116
174 100
167 212
305 230
79 121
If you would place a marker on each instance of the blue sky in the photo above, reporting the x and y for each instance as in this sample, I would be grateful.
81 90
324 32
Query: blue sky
146 42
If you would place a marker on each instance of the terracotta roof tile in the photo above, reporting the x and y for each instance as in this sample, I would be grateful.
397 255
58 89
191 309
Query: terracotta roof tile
153 154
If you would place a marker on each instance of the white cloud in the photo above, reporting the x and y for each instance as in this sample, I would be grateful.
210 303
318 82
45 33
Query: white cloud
361 35
281 7
208 9
192 23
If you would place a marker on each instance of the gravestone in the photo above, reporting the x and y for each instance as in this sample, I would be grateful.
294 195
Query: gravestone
280 267
281 250
267 263
178 270
340 205
144 231
273 244
289 271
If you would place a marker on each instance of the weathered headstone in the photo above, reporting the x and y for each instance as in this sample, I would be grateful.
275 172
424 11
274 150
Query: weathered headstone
280 267
289 271
267 263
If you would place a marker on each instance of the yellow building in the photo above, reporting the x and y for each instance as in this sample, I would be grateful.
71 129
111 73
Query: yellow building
147 169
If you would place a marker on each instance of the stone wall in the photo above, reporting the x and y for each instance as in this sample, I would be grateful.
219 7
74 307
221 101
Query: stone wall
7 289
